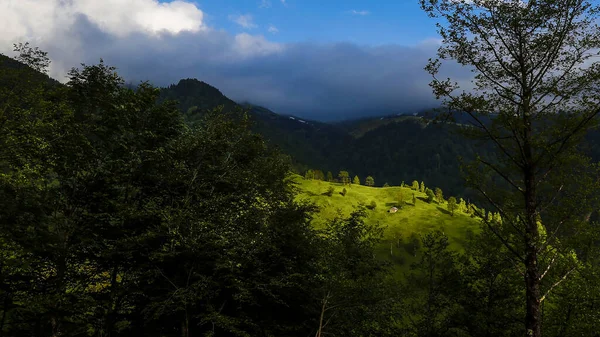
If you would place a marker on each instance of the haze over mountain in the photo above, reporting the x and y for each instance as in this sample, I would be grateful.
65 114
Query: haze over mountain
319 61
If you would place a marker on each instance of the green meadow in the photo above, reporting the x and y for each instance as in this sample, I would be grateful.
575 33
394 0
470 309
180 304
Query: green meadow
410 221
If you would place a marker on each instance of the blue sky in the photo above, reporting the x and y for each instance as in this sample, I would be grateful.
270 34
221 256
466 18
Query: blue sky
357 21
324 60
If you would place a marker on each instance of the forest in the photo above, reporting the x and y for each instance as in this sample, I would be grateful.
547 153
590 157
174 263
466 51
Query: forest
124 214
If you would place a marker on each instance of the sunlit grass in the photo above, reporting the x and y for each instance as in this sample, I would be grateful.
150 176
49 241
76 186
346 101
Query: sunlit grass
410 219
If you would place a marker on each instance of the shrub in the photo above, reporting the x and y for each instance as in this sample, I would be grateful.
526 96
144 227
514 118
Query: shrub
372 205
343 192
329 191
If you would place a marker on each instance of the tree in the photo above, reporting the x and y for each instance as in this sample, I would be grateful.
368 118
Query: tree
386 185
329 176
319 175
452 205
356 290
462 205
344 177
422 188
343 192
432 281
534 98
372 205
430 195
415 185
370 181
439 195
356 180
400 199
309 175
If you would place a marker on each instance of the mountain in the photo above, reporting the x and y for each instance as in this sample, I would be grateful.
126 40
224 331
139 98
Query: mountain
392 149
309 143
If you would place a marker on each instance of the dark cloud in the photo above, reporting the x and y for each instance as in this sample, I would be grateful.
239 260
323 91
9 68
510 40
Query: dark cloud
317 81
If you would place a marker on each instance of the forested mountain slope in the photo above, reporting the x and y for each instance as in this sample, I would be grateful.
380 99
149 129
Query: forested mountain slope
391 149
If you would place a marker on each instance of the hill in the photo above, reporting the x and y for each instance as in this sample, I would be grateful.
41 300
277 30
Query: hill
401 227
392 149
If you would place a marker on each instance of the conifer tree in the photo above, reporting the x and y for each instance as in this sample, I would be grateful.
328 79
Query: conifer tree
356 180
370 181
534 97
452 206
439 196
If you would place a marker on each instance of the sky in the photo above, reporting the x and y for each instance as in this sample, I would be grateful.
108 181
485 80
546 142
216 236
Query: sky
323 60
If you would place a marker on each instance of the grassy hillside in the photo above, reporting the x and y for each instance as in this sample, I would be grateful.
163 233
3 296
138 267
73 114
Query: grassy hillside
409 220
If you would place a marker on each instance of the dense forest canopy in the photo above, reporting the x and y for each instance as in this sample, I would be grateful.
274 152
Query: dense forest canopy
139 211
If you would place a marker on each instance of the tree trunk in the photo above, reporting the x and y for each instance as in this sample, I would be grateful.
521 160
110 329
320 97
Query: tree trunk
532 283
532 279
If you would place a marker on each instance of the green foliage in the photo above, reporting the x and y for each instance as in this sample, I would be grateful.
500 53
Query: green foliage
430 195
344 177
432 282
452 205
343 192
534 108
357 293
415 185
439 196
356 180
422 187
309 175
370 181
318 174
116 218
414 200
329 191
329 176
386 185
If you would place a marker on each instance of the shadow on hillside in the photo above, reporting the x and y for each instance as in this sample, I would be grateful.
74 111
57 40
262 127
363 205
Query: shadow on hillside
445 211
395 204
422 199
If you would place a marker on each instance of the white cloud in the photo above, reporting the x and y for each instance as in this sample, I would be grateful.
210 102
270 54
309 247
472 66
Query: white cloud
246 21
254 45
273 30
265 4
40 18
166 42
362 13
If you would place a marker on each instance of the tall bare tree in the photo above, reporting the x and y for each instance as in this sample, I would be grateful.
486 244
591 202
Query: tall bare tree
534 95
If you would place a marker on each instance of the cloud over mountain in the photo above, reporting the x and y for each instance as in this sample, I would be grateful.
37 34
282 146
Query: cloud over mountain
163 42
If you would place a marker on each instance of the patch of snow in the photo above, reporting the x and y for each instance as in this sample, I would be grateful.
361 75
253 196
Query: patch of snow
292 118
301 121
